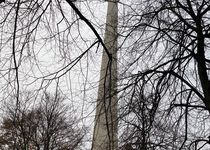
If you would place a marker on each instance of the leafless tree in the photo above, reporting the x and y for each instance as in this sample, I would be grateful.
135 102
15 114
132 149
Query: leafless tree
163 62
49 125
168 46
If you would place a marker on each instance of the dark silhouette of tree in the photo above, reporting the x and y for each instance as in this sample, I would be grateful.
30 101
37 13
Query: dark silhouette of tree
168 51
44 127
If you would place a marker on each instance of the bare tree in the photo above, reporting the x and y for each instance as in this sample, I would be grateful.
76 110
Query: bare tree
47 126
168 53
163 53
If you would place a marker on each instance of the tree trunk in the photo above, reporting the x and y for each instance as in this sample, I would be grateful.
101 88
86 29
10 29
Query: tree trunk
202 70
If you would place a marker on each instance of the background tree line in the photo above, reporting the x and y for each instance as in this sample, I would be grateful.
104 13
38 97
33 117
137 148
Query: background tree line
48 125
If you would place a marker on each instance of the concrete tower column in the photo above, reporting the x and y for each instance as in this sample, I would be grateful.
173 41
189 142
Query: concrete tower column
105 129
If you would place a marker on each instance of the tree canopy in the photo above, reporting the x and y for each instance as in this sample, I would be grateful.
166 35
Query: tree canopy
49 125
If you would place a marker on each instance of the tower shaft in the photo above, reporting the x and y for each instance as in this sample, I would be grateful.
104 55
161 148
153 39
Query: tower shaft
105 129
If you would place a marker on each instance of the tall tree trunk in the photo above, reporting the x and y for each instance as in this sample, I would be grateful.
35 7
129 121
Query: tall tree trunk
201 65
105 130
